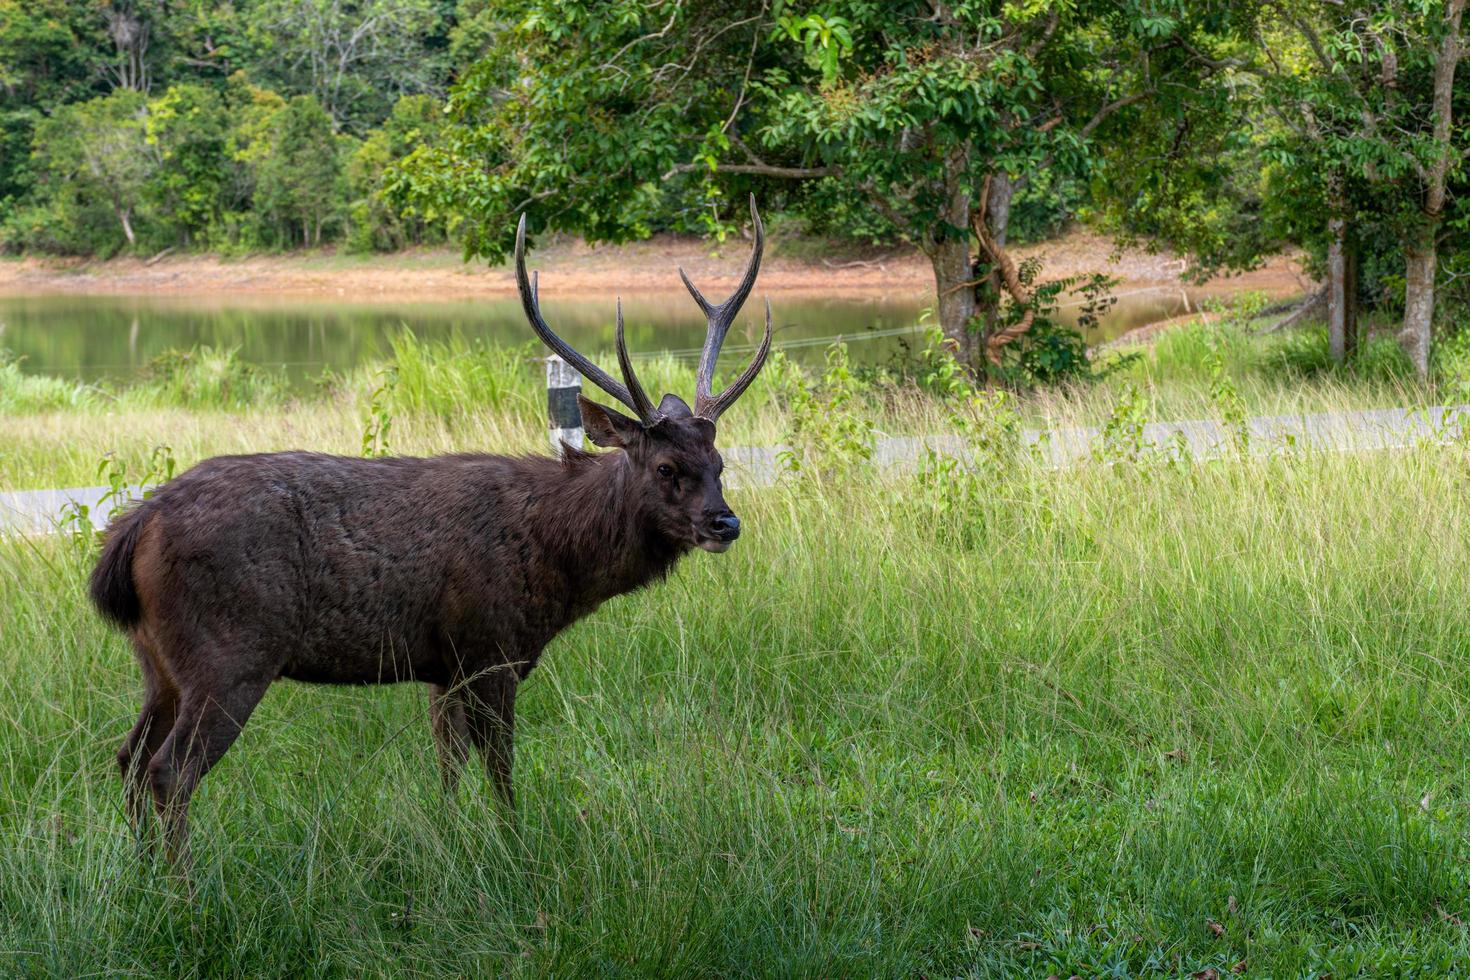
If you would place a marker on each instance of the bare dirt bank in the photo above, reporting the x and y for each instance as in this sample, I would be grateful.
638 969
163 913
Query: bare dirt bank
572 267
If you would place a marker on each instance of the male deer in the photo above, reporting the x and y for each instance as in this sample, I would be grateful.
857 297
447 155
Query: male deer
454 570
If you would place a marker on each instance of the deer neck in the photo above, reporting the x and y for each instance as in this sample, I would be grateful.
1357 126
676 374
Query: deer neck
600 532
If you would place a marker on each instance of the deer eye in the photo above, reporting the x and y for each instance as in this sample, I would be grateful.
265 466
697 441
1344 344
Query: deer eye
665 470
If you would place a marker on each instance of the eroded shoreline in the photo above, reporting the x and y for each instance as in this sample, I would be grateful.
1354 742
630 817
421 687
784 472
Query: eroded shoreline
578 269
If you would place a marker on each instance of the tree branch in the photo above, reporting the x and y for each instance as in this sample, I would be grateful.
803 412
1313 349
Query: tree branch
749 64
1037 44
1008 274
1110 108
755 169
1087 128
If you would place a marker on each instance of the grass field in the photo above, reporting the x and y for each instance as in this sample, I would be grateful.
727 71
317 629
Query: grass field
1135 718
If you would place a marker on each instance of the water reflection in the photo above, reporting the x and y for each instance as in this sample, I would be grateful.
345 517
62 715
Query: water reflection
91 337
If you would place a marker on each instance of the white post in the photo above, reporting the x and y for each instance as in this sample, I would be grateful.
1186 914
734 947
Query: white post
563 385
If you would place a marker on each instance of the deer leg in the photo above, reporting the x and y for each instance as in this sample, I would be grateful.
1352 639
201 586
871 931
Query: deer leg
160 707
154 722
492 716
209 720
451 732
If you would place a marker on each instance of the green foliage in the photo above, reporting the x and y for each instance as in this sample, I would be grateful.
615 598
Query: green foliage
354 59
583 113
207 377
1051 352
445 378
1452 363
186 128
376 225
1228 403
136 125
90 164
826 433
49 52
1326 116
379 425
299 180
961 490
1379 358
23 393
1124 440
936 370
121 488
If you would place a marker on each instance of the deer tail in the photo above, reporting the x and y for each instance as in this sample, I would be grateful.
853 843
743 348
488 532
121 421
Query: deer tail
112 588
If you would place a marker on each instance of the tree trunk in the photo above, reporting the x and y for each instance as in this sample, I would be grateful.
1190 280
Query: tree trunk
998 207
127 225
1337 274
948 248
1003 272
1350 298
951 260
1420 258
1420 255
997 220
1336 290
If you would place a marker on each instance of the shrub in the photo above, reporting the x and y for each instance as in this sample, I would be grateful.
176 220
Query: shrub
825 433
20 392
447 378
207 377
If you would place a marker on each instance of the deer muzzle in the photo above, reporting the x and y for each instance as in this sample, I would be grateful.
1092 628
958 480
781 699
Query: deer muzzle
719 533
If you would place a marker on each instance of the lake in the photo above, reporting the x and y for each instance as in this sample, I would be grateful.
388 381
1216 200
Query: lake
95 337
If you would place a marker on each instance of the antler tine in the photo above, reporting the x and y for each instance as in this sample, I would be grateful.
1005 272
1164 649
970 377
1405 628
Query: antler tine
704 306
588 370
641 402
721 317
713 408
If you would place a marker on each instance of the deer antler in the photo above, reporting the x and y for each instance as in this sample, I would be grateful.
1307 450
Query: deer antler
707 405
631 395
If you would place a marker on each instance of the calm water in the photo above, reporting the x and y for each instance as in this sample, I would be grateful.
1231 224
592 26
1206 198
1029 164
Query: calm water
93 337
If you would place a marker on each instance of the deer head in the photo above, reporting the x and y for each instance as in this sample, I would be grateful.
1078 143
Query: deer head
671 447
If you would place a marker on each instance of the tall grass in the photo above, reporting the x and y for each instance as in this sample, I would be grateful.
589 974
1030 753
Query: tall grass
459 395
21 392
1125 719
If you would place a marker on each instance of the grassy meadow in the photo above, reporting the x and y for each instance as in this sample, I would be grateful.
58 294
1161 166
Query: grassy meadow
1140 717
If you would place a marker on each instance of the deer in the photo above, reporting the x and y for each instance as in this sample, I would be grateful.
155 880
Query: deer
453 571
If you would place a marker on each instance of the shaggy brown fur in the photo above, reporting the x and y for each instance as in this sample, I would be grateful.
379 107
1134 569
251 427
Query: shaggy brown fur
455 571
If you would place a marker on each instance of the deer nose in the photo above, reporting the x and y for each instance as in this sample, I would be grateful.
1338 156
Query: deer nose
727 526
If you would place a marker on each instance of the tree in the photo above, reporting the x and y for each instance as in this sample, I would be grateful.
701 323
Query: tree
357 57
95 154
130 25
48 52
597 116
1350 107
376 223
1431 167
298 183
185 128
47 58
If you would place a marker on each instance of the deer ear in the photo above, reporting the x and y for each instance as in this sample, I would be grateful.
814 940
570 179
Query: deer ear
607 428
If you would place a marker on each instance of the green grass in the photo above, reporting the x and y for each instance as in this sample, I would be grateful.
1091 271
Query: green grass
1059 730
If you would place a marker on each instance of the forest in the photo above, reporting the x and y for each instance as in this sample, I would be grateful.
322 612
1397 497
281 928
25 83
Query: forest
1225 132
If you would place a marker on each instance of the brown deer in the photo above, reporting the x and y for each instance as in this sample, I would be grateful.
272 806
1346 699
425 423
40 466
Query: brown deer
454 570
